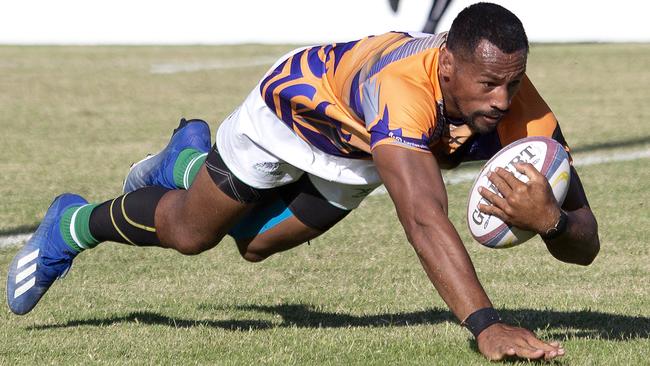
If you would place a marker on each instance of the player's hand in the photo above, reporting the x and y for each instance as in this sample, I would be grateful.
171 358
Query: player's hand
528 206
499 341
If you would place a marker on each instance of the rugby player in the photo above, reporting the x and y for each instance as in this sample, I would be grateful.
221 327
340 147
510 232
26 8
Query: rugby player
324 127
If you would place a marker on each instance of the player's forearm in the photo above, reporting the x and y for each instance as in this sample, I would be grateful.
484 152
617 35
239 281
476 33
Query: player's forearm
579 244
448 265
415 185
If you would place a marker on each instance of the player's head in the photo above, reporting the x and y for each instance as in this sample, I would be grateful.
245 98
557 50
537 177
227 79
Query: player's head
482 64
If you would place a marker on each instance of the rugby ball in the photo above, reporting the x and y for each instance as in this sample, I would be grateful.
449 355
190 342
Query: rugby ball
548 157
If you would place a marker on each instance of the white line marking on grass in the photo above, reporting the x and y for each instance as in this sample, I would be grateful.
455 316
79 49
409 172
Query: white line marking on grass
599 158
451 177
467 175
174 68
11 240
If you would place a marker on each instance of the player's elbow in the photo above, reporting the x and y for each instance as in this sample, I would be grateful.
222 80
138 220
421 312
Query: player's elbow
592 247
584 248
587 258
591 250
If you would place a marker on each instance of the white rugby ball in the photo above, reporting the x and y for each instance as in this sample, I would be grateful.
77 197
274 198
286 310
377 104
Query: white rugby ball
548 157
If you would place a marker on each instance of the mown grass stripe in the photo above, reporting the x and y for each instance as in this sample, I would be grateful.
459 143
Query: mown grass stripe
452 177
175 68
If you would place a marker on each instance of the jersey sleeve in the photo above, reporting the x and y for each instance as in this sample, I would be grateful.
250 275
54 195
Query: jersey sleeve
529 115
398 111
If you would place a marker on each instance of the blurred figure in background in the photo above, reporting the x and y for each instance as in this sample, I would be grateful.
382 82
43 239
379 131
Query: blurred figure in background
438 8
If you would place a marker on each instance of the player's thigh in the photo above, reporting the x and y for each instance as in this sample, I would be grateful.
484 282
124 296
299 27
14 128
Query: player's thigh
197 219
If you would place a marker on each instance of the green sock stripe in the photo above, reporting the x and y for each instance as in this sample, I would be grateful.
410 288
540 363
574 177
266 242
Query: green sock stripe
185 158
64 227
80 230
193 169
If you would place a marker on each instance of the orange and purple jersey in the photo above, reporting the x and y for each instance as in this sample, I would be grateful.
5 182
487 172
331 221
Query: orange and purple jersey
347 98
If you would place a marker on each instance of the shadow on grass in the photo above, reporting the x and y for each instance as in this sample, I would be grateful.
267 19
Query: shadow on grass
614 144
19 230
569 324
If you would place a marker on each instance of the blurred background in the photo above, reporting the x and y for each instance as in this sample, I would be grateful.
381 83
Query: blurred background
296 21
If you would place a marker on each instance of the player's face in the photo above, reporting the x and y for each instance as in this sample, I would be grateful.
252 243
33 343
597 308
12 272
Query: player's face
481 88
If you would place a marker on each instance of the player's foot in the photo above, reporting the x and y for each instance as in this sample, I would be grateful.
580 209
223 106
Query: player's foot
158 169
44 259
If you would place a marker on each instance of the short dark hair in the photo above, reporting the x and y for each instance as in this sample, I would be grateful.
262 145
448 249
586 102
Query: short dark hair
488 21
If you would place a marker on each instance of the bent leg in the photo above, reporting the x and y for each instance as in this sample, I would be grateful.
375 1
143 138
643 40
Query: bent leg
196 220
300 213
190 221
287 234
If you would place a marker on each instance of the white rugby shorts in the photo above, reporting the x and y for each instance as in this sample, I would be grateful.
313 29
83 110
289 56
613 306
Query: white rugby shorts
263 152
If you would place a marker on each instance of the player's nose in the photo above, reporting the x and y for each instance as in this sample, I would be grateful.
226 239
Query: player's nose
500 98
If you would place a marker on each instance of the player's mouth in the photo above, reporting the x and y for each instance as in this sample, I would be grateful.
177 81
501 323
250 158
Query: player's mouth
492 119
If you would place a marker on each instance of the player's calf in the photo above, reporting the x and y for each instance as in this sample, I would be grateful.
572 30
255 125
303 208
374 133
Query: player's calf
270 228
287 235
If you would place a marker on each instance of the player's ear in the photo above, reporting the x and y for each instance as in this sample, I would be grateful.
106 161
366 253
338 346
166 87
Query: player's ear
445 63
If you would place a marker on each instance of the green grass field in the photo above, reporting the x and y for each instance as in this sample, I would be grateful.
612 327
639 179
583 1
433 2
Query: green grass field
74 118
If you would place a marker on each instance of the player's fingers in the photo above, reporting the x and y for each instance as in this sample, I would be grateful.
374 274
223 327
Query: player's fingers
494 211
529 170
500 183
494 198
549 355
554 354
538 343
508 177
520 348
501 353
528 352
551 350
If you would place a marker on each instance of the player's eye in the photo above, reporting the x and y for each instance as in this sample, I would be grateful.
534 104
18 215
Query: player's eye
489 84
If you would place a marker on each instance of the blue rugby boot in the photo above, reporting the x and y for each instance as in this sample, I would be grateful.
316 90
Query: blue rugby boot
158 169
44 259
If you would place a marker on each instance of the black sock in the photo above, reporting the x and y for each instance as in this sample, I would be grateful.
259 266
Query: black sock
128 219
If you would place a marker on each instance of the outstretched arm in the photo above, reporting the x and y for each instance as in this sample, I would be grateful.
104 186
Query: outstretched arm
532 206
415 185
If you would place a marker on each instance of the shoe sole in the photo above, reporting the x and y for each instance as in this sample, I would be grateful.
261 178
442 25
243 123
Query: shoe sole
133 166
150 156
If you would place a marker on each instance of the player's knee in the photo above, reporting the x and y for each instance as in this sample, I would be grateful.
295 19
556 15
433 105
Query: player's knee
193 245
190 248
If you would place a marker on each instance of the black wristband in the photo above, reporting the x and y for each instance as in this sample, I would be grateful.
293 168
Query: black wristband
477 321
559 228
